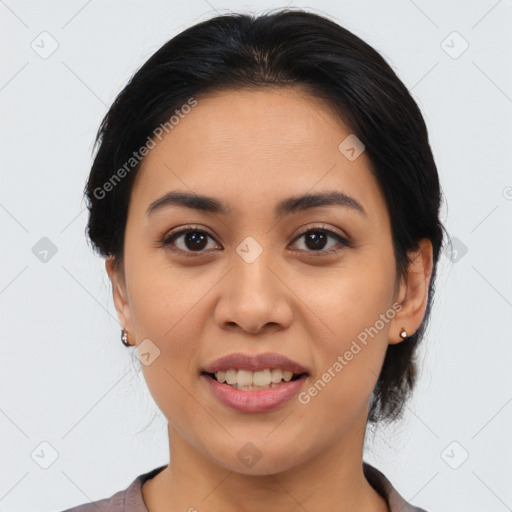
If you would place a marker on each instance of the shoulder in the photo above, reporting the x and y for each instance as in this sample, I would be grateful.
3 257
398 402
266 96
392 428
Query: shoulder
384 487
113 504
116 503
125 500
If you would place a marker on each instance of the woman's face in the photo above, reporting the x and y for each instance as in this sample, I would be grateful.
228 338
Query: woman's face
261 279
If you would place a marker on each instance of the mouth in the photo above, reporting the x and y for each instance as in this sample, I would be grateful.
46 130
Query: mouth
254 382
260 391
247 380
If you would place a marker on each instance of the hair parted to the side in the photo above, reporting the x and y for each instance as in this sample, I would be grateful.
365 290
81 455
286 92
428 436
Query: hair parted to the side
284 48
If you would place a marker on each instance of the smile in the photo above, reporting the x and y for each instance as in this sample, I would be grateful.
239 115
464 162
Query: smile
244 395
249 380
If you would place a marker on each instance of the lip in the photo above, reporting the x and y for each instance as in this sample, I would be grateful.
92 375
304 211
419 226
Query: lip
241 361
262 400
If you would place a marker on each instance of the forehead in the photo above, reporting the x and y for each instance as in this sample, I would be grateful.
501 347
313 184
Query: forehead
256 146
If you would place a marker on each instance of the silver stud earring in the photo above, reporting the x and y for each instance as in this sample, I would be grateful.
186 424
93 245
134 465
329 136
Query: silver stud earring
403 334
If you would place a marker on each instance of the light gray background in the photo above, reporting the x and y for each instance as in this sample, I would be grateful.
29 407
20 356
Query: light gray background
66 379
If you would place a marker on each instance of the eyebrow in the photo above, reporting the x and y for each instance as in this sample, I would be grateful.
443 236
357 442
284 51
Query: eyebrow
285 207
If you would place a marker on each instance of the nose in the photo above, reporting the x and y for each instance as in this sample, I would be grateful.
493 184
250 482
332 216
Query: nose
254 297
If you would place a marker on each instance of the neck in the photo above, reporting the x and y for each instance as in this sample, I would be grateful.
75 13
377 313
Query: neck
331 480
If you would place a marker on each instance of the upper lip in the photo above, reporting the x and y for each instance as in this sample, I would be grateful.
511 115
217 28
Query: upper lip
254 363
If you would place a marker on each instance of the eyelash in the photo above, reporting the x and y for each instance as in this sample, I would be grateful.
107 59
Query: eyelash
192 229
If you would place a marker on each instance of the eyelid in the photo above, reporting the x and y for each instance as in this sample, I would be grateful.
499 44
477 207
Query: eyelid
323 227
186 228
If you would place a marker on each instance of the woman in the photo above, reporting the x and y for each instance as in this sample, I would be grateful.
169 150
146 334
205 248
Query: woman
268 204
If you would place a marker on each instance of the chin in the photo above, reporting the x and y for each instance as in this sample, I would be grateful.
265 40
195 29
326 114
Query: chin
249 460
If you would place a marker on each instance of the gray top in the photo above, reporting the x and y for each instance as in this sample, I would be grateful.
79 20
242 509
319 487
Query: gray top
130 499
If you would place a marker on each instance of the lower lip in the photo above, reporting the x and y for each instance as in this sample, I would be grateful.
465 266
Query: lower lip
261 400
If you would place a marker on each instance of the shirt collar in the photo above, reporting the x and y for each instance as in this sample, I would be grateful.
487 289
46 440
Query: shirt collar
133 501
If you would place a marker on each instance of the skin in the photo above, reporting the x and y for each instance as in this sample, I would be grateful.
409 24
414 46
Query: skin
251 150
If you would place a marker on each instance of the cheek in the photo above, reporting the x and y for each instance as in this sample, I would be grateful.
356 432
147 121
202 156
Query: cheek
354 301
163 296
164 306
349 369
172 375
357 312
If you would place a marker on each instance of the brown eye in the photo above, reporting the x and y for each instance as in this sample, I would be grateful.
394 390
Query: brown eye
188 240
316 240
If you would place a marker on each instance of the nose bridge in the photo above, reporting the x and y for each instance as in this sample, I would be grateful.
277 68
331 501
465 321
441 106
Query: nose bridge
253 296
252 276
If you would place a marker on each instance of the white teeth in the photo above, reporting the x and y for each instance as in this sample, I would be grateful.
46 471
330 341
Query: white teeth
246 379
277 375
287 375
260 378
231 376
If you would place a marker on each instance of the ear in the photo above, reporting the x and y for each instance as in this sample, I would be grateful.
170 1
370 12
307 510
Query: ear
119 294
413 292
